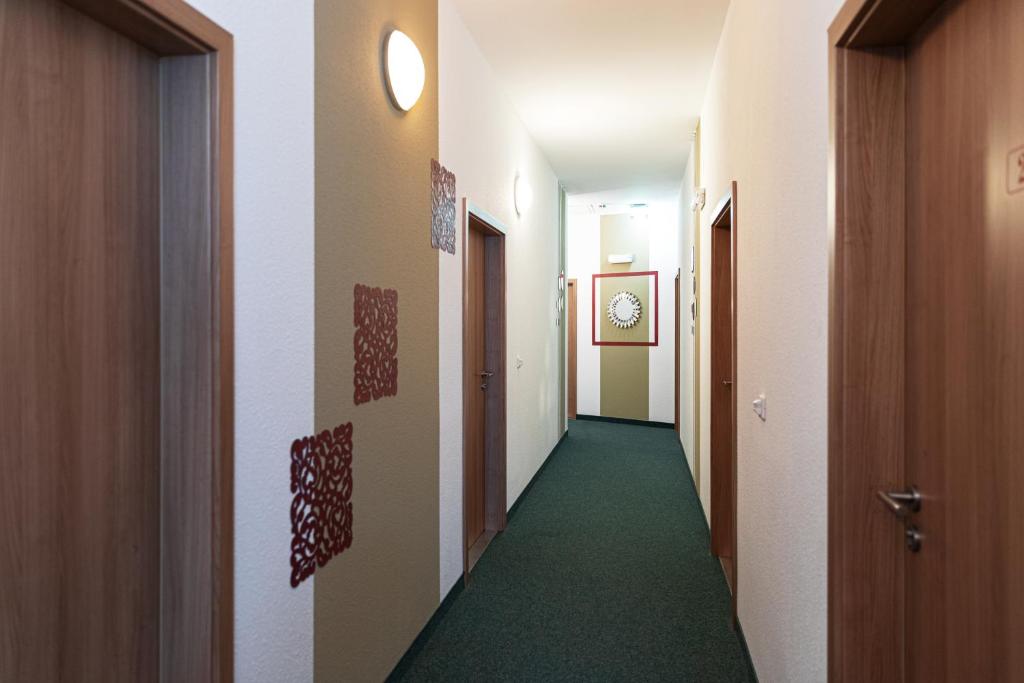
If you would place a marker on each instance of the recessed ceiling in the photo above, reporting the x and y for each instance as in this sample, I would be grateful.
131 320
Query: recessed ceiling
610 89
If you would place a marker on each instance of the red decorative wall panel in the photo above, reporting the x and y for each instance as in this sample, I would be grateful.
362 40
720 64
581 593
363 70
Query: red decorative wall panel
322 507
375 344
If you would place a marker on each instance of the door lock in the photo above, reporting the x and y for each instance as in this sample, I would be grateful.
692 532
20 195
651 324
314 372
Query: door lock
903 504
913 537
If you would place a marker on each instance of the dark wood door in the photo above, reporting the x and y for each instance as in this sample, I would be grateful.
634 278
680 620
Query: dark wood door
80 525
723 400
965 344
572 333
475 358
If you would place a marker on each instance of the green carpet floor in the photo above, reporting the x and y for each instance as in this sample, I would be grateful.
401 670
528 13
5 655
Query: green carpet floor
603 574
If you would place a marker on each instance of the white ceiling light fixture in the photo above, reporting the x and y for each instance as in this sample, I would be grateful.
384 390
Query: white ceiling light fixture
523 195
404 70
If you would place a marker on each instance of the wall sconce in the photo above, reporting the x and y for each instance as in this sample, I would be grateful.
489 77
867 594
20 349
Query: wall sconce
404 70
523 195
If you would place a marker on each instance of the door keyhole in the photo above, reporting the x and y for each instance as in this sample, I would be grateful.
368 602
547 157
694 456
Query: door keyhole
913 539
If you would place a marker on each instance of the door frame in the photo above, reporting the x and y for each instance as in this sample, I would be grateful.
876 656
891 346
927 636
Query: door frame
572 353
678 351
867 312
199 494
727 210
496 411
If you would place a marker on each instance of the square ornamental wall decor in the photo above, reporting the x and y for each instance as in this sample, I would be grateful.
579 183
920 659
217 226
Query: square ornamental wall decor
442 223
625 309
375 344
322 500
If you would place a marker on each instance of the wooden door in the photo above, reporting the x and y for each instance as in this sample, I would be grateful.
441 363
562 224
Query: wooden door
926 538
723 389
965 343
79 349
116 377
484 387
475 358
572 333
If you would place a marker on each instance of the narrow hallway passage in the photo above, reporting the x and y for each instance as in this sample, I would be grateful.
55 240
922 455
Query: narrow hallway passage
603 573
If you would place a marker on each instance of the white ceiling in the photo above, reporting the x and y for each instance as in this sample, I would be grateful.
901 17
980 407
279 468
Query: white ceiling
623 200
610 89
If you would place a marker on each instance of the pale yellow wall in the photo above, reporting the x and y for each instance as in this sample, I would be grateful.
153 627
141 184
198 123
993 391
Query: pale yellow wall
373 227
625 370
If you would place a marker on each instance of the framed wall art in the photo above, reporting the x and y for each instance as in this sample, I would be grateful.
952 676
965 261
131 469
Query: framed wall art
625 309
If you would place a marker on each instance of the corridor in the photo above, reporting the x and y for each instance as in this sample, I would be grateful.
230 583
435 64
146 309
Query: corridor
602 574
524 340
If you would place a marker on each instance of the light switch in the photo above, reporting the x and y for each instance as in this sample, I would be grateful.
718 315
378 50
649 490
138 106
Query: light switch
761 407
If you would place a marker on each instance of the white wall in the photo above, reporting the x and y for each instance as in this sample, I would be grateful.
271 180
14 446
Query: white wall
485 145
686 324
765 124
664 257
583 259
273 324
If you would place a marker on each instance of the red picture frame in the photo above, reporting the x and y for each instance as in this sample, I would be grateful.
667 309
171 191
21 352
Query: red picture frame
594 298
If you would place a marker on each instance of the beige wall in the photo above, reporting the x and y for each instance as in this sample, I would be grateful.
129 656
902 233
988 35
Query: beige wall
373 227
772 61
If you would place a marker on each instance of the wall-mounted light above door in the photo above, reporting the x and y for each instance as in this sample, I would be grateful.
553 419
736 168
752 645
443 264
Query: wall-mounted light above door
403 70
523 195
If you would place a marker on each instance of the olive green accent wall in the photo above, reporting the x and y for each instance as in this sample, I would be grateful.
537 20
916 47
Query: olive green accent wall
373 227
625 370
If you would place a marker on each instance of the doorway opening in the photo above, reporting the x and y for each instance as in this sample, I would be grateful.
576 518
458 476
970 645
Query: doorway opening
484 383
723 388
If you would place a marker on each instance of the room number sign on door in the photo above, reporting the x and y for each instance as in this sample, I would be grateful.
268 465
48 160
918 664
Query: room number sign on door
1015 171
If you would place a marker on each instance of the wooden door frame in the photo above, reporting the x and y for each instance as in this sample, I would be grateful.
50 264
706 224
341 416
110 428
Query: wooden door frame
173 29
496 411
727 209
867 312
678 351
572 351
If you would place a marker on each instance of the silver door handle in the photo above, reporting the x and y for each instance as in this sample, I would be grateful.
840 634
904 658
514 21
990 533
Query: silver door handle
727 382
486 374
901 503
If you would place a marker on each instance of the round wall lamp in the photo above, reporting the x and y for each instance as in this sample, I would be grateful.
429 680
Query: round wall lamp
403 70
523 195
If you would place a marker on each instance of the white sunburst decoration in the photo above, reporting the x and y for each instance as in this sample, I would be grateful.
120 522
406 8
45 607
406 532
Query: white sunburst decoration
624 310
